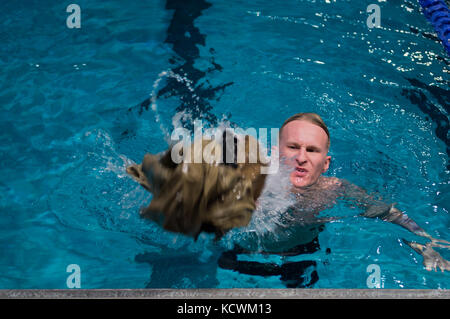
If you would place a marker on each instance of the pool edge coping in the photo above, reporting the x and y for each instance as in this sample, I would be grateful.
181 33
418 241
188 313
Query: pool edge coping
230 293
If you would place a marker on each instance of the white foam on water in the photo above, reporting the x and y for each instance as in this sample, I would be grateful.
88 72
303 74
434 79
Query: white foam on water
270 221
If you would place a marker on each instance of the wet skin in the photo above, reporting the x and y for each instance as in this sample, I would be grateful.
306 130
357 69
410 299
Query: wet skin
304 147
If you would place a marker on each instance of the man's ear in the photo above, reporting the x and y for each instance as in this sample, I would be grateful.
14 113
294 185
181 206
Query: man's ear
327 164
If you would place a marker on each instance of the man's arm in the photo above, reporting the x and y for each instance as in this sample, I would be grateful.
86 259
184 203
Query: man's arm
431 259
395 216
376 208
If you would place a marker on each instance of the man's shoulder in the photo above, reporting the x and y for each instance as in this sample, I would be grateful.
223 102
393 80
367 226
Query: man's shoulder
333 181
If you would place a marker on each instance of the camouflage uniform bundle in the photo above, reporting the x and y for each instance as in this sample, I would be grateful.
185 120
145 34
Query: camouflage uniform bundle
189 198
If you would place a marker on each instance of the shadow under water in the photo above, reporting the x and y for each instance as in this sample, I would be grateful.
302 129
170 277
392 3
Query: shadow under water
194 91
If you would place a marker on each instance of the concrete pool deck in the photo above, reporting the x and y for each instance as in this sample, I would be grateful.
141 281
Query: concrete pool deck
224 294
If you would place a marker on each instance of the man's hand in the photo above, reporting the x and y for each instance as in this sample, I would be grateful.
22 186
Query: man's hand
431 258
434 241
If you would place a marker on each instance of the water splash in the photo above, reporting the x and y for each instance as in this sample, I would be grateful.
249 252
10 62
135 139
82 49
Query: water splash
154 96
183 115
270 225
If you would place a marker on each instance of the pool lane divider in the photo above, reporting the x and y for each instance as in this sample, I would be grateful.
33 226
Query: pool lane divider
438 14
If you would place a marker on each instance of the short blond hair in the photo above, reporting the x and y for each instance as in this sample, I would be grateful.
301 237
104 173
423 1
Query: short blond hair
309 117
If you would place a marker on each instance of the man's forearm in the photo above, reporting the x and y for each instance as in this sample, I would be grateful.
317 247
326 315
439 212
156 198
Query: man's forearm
395 216
377 208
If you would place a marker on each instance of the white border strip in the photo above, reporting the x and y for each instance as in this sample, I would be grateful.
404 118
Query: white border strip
224 294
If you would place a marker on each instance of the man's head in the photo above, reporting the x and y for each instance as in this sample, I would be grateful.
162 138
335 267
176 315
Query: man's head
304 144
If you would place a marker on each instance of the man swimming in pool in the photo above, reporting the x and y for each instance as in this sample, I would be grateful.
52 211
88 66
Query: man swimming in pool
303 147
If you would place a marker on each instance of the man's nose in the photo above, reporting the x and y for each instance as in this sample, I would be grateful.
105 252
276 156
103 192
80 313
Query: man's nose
301 157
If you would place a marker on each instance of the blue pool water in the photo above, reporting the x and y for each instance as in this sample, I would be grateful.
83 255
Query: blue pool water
75 110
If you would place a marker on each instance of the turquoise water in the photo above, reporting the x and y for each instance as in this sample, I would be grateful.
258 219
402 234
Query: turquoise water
72 118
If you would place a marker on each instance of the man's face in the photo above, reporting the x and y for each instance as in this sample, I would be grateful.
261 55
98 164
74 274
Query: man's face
303 146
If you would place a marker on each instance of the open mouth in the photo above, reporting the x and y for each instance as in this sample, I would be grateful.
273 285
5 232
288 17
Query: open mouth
300 171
